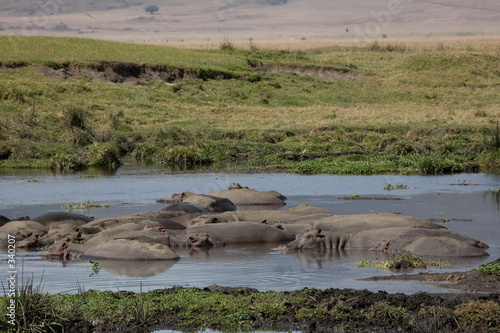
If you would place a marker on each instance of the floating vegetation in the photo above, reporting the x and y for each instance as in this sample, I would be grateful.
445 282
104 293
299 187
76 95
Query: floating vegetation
395 187
491 268
446 220
358 197
89 204
95 268
417 262
32 180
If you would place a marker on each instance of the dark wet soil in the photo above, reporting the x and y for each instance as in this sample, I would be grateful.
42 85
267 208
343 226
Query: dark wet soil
475 309
473 281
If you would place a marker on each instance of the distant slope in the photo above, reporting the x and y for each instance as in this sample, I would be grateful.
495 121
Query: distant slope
241 19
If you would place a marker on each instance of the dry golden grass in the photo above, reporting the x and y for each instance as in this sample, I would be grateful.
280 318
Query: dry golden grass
415 43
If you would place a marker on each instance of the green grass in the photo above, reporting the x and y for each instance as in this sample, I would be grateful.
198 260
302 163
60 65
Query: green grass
402 110
491 268
416 261
239 310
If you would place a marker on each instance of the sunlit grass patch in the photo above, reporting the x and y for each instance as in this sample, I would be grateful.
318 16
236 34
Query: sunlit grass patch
417 262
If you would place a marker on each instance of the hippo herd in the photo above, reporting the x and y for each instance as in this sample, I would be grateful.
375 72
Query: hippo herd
237 215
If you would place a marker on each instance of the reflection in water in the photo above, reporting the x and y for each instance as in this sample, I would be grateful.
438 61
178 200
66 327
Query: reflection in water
317 258
136 268
495 197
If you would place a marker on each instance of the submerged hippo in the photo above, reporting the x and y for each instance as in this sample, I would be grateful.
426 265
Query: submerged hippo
194 203
242 232
437 241
62 217
317 240
124 242
244 196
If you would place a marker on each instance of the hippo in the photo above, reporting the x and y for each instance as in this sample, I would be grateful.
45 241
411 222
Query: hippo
4 220
185 207
43 240
52 218
202 202
418 241
191 240
131 248
316 239
359 222
21 230
259 216
210 202
163 217
124 242
306 208
244 196
242 232
423 241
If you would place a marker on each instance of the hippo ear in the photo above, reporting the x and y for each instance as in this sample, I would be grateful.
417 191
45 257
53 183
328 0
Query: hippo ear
319 234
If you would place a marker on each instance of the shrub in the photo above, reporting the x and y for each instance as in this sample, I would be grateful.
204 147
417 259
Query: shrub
227 45
103 155
76 121
493 141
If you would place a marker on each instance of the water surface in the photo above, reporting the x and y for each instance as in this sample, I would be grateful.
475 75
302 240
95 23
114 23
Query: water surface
464 199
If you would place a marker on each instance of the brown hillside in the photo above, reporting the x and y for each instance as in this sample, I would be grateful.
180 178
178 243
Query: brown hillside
127 20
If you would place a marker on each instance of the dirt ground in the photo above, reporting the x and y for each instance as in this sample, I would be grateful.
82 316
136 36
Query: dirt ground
475 308
473 281
425 312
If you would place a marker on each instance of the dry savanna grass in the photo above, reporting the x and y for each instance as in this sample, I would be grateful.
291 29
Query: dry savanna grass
409 43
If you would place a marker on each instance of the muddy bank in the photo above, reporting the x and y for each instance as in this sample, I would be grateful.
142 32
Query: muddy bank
230 309
472 281
313 310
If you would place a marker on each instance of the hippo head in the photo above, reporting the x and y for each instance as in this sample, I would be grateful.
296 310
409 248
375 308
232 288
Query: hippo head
382 246
234 186
199 240
58 249
313 240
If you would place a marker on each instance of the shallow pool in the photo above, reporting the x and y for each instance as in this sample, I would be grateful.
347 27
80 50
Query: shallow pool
466 200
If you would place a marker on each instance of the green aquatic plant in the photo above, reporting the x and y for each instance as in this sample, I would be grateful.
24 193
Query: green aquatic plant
87 205
491 268
416 261
95 267
395 187
32 180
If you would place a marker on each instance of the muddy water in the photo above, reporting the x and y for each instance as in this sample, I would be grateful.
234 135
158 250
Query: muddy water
464 200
